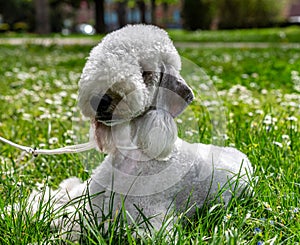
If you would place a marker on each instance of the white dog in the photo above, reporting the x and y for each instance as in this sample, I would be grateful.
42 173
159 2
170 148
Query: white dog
132 91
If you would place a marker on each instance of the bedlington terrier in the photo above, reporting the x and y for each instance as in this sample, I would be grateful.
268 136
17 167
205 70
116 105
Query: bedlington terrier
131 89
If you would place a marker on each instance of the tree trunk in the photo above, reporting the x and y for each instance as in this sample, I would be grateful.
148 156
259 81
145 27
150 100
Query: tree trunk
153 12
42 19
121 11
142 8
165 14
99 16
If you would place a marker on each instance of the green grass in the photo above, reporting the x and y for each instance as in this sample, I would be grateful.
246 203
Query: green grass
259 89
288 34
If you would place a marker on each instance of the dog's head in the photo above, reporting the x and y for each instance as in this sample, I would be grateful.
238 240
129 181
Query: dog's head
132 78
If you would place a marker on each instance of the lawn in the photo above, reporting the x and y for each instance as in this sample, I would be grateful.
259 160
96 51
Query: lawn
273 35
247 98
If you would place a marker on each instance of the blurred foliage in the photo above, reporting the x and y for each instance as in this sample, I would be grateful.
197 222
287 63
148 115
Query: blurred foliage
14 11
20 14
4 27
197 14
227 14
20 27
249 13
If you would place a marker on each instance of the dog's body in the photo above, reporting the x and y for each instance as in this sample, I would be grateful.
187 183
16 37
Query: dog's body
189 178
131 89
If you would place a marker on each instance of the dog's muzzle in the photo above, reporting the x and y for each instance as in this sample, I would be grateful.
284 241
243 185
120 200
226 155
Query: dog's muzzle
173 94
169 93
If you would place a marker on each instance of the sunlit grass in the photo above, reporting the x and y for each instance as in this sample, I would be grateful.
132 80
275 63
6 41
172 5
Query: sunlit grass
281 35
259 91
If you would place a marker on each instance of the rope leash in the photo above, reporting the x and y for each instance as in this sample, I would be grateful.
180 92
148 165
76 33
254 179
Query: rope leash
67 149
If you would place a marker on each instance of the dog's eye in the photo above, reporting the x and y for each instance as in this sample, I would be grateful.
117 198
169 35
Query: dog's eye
150 78
104 103
101 103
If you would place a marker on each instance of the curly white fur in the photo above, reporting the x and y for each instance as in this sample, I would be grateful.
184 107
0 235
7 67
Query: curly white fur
146 162
120 59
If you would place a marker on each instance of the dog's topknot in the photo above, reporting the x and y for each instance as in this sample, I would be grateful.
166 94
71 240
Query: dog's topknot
120 60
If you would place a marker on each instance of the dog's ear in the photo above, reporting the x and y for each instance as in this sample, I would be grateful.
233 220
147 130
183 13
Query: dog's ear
173 94
102 135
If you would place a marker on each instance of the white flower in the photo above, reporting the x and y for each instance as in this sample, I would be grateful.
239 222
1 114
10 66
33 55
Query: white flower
36 87
278 144
225 136
227 217
245 76
26 116
49 101
260 112
179 120
74 96
189 133
248 215
282 34
75 119
292 118
53 140
58 83
269 120
285 137
40 108
41 145
69 114
45 116
63 94
68 141
40 186
294 73
267 206
70 132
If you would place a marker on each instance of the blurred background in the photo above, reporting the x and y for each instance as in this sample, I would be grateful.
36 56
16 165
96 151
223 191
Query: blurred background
101 16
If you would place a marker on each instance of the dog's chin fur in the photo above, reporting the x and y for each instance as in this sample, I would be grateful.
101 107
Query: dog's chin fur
154 134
